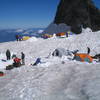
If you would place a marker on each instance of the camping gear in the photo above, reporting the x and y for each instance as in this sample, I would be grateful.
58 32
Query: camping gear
75 51
45 36
96 56
9 67
25 38
83 57
3 60
13 56
1 73
60 52
61 34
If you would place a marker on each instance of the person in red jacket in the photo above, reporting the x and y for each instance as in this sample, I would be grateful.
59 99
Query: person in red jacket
17 62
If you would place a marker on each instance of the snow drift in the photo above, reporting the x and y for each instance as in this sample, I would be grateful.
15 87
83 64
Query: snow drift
52 80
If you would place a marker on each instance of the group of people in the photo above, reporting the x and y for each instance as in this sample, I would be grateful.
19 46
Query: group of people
18 37
21 61
17 61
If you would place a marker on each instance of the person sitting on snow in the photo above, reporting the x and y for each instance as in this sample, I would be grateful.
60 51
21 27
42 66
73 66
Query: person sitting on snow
38 60
17 62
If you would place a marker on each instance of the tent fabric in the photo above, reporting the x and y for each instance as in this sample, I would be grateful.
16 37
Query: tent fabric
61 34
60 52
25 37
83 57
47 36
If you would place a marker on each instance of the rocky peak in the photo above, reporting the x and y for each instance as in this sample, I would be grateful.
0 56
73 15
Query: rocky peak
78 14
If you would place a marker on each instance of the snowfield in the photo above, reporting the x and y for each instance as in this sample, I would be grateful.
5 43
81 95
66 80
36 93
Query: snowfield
51 80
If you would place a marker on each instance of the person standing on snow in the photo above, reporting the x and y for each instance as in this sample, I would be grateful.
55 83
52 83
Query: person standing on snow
23 58
66 34
17 37
20 38
88 52
8 54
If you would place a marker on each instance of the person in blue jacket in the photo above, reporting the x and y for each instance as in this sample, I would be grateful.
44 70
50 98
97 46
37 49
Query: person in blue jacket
38 60
66 34
20 38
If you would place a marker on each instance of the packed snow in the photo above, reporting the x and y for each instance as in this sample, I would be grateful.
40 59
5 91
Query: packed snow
32 39
52 79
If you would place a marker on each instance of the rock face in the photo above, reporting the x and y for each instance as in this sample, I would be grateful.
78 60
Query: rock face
54 28
78 14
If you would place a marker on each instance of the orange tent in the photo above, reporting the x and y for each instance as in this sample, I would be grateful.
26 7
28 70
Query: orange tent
83 57
61 34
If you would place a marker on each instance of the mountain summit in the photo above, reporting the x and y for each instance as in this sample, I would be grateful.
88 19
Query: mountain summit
78 14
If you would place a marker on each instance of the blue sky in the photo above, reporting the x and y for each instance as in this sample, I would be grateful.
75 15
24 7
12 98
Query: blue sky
28 13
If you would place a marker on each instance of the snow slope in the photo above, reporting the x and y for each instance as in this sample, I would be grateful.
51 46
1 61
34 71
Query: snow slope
52 80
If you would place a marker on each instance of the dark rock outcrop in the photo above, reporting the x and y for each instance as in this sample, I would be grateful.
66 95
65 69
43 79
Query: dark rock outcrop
78 14
54 28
